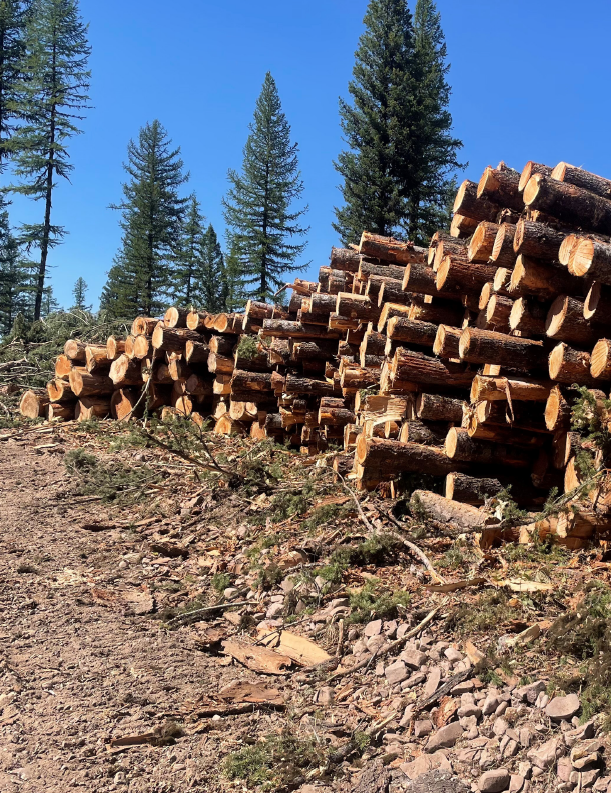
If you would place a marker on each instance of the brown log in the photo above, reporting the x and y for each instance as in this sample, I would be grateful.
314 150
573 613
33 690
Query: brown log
227 323
436 407
567 365
196 352
126 404
592 258
241 411
529 170
528 316
143 325
391 458
198 386
374 285
64 411
481 244
459 446
345 259
417 431
303 287
256 362
421 280
557 410
125 372
573 175
565 322
34 403
600 363
390 310
481 347
498 311
471 490
335 416
392 291
572 476
287 329
450 247
503 254
142 346
568 248
392 429
565 445
175 317
179 369
389 249
499 434
500 283
250 381
373 343
87 384
59 390
373 267
319 350
342 324
92 408
413 366
354 377
416 332
357 307
446 341
96 358
597 306
467 203
537 240
129 346
442 312
448 513
546 282
225 426
279 352
568 203
173 339
498 388
221 385
463 227
196 321
155 370
458 277
501 186
333 281
222 365
74 349
114 348
223 345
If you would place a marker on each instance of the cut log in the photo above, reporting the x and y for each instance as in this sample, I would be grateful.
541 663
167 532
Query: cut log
600 363
126 404
288 329
501 186
223 345
345 259
342 324
499 434
408 365
565 446
143 325
501 280
92 408
498 312
198 386
438 312
452 247
59 390
557 411
221 385
320 350
354 378
142 346
373 343
446 341
251 381
482 347
568 203
34 403
96 358
459 446
196 321
417 332
593 259
87 384
392 291
304 287
175 317
503 254
471 490
502 388
467 203
446 511
573 175
528 316
572 476
179 369
114 347
157 396
241 411
74 349
537 240
394 457
390 310
129 346
335 416
567 365
597 306
463 227
357 307
546 282
155 370
196 352
565 322
481 244
457 277
221 365
530 169
389 249
225 426
173 340
421 279
391 429
124 372
420 432
437 408
64 411
568 248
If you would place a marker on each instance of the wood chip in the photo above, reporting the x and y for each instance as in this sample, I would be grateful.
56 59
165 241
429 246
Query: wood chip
299 649
257 658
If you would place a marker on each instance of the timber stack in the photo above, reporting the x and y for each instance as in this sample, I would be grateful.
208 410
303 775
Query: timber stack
456 361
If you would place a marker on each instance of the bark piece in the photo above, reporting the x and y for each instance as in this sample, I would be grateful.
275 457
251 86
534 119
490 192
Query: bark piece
257 657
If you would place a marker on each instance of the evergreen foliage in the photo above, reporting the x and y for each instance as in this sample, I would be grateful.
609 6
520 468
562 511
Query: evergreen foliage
397 170
258 208
15 277
152 216
189 259
79 293
211 287
52 94
12 49
234 293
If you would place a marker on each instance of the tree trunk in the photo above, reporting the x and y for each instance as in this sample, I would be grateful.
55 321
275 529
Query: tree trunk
457 277
143 325
446 511
416 332
477 209
437 408
124 372
418 368
34 403
490 347
114 348
75 350
389 249
460 446
528 317
568 203
394 457
497 388
546 282
567 365
572 175
537 240
565 322
59 390
251 381
173 339
92 407
501 186
470 490
84 384
175 317
96 358
446 341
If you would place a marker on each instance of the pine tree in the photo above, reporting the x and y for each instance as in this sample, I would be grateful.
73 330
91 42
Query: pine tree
233 294
397 127
49 303
13 14
79 292
152 215
210 287
53 95
15 295
189 258
258 208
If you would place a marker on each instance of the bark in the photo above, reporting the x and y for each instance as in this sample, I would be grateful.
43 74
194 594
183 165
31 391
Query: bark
414 331
92 407
568 203
418 368
520 389
333 281
354 378
289 329
86 384
446 511
392 292
124 372
221 385
565 322
481 347
345 259
114 347
375 283
528 317
74 349
423 432
357 307
452 247
279 352
389 249
308 386
335 416
173 339
255 363
436 407
321 350
600 363
456 277
321 303
394 457
498 311
530 169
144 325
34 403
477 209
463 227
471 490
567 365
537 240
156 371
175 318
96 357
505 434
446 341
342 324
565 445
503 254
572 175
481 244
546 282
460 446
439 312
126 404
303 287
223 345
196 352
501 186
390 310
222 365
373 343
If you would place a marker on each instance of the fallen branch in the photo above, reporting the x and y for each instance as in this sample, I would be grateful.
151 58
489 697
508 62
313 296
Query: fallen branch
229 604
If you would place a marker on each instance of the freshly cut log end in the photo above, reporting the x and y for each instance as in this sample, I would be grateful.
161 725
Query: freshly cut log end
529 170
565 321
500 185
557 411
600 366
591 258
446 341
87 384
564 172
498 312
598 303
33 404
567 365
74 349
143 325
175 317
126 403
528 317
96 358
92 408
63 411
568 248
196 321
503 254
462 226
126 372
63 366
482 243
115 347
532 278
59 390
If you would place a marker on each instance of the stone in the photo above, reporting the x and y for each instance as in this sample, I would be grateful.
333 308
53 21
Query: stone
413 658
563 708
425 763
463 687
445 737
396 672
490 705
545 756
325 695
275 610
564 769
542 700
390 628
413 680
230 593
402 630
501 708
438 780
586 779
585 731
524 769
470 710
511 748
360 647
500 726
469 724
526 736
422 728
602 784
407 716
515 783
453 655
373 628
432 682
376 642
584 749
587 760
494 780
530 692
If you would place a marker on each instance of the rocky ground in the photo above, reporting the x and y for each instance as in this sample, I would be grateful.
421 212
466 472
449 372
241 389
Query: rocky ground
141 611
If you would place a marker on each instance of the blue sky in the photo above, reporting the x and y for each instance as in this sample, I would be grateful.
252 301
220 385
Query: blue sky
530 81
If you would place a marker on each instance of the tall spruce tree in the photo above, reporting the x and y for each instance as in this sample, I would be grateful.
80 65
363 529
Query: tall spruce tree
12 50
397 170
15 278
53 94
234 293
189 257
210 285
259 206
79 293
152 221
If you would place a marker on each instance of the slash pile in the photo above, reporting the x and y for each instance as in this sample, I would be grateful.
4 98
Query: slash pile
456 361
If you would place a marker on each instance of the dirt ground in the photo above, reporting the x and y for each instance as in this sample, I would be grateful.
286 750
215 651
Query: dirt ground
79 665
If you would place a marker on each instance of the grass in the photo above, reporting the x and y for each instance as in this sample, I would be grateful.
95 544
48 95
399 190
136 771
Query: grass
369 603
112 482
220 581
488 612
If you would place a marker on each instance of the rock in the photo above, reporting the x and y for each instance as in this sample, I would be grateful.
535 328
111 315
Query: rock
230 592
437 780
586 779
390 628
524 769
542 700
587 760
453 655
413 680
530 692
500 726
501 708
402 630
425 763
359 647
490 705
584 749
469 725
545 756
445 737
470 710
374 777
585 731
511 748
563 769
325 695
515 783
432 682
396 672
373 628
494 780
563 708
376 642
602 784
463 687
422 728
407 716
275 610
414 659
526 736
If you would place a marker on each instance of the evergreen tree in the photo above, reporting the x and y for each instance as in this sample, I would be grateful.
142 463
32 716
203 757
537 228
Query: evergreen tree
79 291
12 49
189 259
15 279
258 207
233 293
53 92
49 304
397 170
152 217
211 287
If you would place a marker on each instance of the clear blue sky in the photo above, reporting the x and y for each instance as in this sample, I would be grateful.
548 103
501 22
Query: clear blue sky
530 81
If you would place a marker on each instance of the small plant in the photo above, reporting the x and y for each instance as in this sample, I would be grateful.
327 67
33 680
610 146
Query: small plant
370 602
248 347
111 482
220 582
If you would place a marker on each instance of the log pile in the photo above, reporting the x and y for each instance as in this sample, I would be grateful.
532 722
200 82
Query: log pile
456 361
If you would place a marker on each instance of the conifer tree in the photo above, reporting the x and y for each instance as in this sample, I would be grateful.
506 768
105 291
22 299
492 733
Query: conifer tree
15 294
259 207
189 258
152 215
210 285
233 291
79 292
49 303
12 50
53 93
397 170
